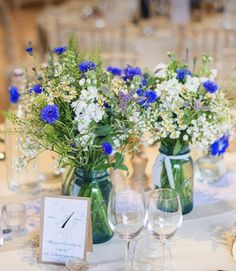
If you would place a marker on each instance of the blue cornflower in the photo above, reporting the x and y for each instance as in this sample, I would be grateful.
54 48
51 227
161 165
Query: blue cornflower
29 50
210 86
59 50
150 96
144 103
114 70
182 73
219 146
50 114
87 65
130 72
36 89
140 92
14 94
143 83
107 148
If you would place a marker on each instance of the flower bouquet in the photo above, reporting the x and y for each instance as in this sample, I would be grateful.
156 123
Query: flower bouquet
86 115
189 108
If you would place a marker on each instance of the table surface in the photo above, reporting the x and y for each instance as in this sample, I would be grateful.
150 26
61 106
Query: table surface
201 244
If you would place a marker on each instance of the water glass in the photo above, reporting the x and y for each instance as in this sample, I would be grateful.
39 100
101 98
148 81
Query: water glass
126 213
164 218
15 216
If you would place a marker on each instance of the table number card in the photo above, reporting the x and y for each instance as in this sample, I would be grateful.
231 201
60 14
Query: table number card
65 229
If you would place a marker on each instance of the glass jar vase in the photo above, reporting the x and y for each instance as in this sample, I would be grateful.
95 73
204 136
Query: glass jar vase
95 185
210 169
175 170
28 179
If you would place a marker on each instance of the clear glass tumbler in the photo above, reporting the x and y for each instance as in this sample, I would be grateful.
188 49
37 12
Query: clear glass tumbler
15 214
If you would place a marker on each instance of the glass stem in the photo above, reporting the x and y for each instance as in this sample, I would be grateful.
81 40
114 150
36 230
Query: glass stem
163 243
127 244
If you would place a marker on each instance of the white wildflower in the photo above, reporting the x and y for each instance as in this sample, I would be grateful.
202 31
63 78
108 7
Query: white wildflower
161 70
82 81
19 163
192 84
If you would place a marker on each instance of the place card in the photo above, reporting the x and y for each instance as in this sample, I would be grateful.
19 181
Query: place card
65 232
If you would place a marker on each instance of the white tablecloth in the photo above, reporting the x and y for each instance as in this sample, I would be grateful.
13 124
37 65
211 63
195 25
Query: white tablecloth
201 244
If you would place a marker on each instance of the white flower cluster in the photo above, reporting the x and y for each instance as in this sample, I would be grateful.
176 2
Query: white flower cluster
27 147
19 163
86 109
186 110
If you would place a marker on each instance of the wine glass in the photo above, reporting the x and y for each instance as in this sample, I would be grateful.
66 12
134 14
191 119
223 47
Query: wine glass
126 213
164 218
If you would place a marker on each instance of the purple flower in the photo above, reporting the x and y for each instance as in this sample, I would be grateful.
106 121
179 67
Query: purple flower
130 72
210 86
198 105
50 114
14 94
86 66
182 73
107 148
219 146
36 89
59 50
114 70
124 99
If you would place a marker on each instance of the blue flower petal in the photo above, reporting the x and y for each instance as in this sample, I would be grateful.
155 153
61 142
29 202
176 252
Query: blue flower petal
59 50
182 73
36 89
114 70
50 114
86 66
219 146
14 94
107 148
210 86
131 72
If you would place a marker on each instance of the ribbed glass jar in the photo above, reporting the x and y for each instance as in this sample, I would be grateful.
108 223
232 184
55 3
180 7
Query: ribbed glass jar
95 185
210 168
182 172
